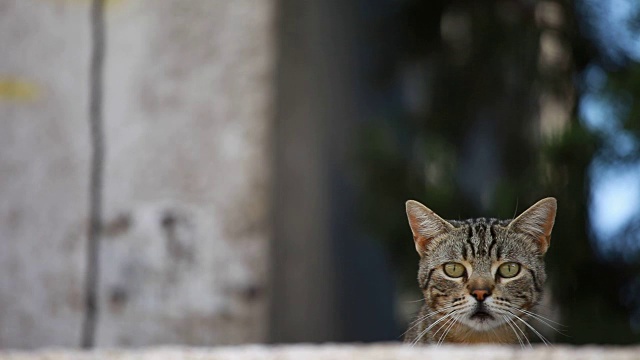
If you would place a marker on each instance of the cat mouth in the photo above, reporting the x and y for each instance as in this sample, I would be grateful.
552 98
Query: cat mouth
481 315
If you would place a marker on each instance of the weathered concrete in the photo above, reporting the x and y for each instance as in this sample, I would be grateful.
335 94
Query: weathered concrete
187 115
187 111
346 352
44 151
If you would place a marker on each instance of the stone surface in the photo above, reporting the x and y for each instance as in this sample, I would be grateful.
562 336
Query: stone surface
187 115
44 171
343 352
187 112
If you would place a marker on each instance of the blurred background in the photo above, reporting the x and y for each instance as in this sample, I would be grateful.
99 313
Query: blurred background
210 172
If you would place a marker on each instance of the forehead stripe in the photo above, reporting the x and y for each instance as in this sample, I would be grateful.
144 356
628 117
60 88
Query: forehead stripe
473 250
492 231
482 239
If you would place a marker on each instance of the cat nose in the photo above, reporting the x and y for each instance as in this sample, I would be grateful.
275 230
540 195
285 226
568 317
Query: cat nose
480 294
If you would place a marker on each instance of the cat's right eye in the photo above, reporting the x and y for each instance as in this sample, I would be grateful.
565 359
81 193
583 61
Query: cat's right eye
455 270
509 270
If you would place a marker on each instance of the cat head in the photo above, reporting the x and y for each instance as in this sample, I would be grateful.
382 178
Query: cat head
486 272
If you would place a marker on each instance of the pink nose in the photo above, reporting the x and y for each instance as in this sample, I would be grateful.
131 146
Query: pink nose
480 294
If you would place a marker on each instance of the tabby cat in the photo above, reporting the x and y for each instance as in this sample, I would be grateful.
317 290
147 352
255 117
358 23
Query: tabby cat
480 277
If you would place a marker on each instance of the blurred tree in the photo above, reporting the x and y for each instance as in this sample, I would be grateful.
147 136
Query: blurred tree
482 120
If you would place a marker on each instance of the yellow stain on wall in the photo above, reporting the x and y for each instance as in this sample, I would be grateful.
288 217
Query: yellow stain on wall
14 89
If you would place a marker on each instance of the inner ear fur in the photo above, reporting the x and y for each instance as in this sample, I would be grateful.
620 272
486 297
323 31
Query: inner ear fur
426 226
537 222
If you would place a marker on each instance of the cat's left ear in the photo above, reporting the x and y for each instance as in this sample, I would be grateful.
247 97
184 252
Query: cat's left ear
427 227
537 222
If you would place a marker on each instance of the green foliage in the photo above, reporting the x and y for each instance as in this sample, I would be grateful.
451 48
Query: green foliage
493 94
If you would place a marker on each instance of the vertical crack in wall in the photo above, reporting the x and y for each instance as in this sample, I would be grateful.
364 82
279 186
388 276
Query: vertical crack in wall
97 162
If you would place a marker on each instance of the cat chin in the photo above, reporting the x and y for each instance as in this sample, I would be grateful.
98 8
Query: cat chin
481 323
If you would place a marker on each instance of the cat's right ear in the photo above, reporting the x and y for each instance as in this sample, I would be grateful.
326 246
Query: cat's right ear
537 222
426 226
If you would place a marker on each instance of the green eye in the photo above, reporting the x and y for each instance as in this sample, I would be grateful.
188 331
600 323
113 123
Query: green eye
509 270
454 270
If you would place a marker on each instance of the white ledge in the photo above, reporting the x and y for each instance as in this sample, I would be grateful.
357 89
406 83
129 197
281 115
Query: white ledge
338 352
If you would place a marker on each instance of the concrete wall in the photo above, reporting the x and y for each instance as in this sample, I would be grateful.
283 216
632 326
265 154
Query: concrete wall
187 110
347 352
44 168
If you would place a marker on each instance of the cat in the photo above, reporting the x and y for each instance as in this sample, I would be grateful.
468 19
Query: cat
480 278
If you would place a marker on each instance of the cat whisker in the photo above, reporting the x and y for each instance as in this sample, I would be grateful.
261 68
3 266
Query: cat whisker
524 334
533 315
512 324
444 336
545 307
415 301
443 326
540 317
419 320
544 340
425 331
542 320
514 330
440 310
448 327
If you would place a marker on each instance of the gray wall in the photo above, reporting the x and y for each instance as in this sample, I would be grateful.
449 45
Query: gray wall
187 111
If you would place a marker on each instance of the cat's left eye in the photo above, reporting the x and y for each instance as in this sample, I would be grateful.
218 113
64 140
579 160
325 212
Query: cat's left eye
455 270
509 270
